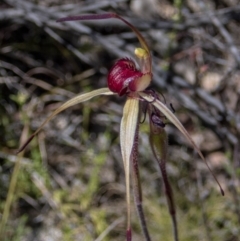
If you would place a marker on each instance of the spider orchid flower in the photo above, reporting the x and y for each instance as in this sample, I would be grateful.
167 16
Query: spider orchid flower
126 79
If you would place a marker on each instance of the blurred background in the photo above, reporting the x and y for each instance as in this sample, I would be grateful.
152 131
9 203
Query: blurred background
70 180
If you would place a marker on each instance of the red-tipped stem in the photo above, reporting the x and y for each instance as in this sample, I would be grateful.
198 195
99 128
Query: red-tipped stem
129 235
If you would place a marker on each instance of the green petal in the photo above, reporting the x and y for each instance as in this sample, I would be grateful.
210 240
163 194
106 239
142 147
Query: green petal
129 124
159 142
75 100
170 116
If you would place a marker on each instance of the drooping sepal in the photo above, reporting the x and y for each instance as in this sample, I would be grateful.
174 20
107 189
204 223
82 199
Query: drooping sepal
159 144
171 117
128 130
75 100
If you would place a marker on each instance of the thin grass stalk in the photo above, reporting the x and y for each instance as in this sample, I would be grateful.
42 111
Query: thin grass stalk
205 220
12 186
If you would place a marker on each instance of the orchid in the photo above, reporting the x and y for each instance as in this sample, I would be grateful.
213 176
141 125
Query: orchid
130 79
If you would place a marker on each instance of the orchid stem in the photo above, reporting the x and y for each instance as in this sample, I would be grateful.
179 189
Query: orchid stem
170 200
137 189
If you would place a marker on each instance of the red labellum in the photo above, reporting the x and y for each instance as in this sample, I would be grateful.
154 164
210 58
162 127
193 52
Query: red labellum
125 77
122 73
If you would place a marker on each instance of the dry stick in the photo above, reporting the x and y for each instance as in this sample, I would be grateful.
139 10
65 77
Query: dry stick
222 30
235 52
230 45
233 49
35 81
70 47
137 187
43 17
